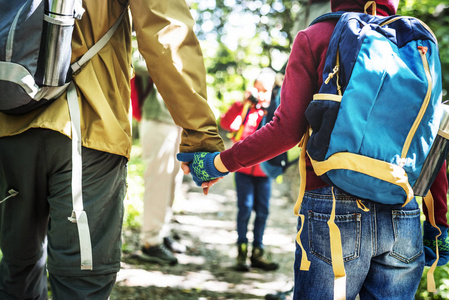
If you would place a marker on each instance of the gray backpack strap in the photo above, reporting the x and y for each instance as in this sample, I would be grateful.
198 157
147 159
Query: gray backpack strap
79 10
98 45
12 30
12 193
78 215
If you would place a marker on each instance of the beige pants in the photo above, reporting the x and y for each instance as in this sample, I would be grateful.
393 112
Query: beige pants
162 176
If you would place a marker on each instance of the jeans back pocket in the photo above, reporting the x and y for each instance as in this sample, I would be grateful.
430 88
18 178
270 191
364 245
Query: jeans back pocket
350 230
407 235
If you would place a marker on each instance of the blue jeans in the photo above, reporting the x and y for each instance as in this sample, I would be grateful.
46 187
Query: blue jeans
252 193
382 248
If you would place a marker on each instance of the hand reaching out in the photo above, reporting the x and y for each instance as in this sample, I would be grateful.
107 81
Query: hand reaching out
201 166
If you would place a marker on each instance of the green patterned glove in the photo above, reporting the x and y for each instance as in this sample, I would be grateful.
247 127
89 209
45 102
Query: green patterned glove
201 166
430 245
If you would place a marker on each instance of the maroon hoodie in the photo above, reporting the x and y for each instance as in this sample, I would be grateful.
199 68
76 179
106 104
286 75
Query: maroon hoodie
303 78
383 7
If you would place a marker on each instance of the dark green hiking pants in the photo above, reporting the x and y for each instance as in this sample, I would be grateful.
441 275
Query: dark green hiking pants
37 164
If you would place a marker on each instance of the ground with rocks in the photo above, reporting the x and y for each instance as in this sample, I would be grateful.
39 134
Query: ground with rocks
206 225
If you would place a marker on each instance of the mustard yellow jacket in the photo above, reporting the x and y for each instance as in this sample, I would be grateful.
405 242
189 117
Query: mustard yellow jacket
166 40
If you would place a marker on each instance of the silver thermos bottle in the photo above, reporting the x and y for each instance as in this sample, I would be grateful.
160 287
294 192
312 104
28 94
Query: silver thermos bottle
435 159
59 21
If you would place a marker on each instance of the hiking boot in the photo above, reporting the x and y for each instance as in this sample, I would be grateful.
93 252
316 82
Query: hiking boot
258 261
173 245
280 295
241 265
158 254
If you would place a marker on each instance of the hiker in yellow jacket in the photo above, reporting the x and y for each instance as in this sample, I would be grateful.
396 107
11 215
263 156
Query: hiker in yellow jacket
35 149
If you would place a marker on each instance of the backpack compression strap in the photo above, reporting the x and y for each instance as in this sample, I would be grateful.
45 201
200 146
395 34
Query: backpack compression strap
98 45
78 215
334 232
428 200
305 263
337 255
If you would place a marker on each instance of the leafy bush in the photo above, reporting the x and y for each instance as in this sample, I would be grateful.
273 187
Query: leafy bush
442 283
133 201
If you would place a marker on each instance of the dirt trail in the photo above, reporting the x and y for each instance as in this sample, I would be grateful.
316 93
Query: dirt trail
206 225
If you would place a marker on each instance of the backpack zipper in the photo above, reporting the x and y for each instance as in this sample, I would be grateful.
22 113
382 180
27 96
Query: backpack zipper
335 72
422 51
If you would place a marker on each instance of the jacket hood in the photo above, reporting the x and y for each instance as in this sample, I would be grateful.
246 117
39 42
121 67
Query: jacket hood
384 7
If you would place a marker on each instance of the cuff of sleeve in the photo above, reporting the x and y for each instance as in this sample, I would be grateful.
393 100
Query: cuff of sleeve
211 169
430 232
228 160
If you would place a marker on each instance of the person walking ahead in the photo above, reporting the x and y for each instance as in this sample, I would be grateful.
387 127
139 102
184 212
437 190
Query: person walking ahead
159 138
35 150
252 184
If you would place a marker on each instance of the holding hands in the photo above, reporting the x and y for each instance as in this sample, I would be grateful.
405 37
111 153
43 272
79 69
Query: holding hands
201 166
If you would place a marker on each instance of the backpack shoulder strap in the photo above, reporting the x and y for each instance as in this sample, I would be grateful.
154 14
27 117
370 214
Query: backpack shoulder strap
98 45
78 215
329 16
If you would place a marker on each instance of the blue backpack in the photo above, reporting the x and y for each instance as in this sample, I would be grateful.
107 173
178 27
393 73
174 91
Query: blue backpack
375 117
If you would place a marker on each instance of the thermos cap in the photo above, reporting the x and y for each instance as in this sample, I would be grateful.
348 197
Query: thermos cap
444 124
63 7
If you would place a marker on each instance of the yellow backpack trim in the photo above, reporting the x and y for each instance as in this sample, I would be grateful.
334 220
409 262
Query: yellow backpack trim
330 97
338 265
428 200
305 263
373 8
334 231
376 168
424 105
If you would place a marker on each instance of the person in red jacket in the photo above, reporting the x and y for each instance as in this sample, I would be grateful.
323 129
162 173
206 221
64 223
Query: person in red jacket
252 184
382 249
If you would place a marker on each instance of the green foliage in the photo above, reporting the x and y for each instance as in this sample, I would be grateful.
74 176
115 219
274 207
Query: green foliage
133 201
442 284
240 37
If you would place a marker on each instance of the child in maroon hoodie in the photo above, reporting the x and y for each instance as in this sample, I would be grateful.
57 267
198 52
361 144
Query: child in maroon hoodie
382 247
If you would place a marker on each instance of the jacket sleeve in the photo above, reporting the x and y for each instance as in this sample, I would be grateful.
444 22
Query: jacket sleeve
289 123
174 59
